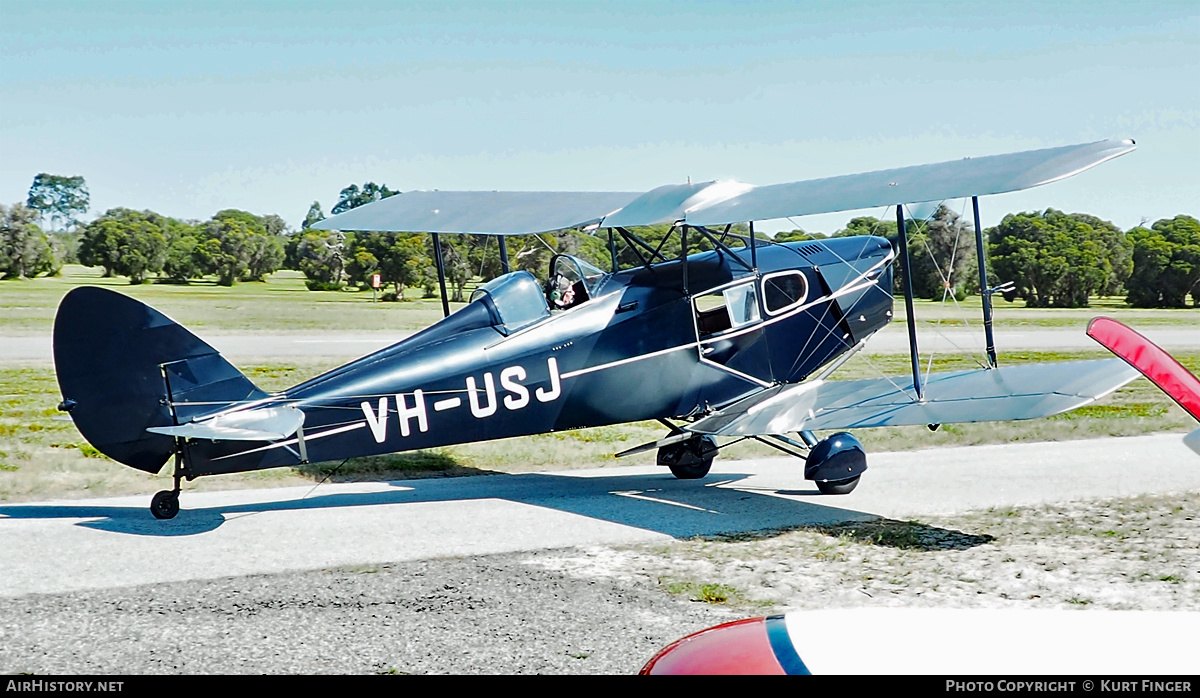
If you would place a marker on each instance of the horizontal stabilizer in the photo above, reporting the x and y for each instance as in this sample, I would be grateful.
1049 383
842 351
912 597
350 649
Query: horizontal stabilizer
1023 391
270 424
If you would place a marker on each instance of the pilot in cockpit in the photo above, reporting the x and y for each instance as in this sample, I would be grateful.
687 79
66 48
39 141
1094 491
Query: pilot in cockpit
561 295
568 283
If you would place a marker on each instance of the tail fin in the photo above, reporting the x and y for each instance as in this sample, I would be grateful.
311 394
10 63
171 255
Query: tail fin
123 368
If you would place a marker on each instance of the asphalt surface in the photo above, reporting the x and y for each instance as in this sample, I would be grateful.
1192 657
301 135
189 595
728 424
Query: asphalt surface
79 545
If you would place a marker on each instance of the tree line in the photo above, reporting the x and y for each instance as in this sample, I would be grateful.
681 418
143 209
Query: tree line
25 248
1054 259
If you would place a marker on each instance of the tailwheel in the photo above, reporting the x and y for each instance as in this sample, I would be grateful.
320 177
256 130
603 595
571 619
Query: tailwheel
691 459
165 504
836 463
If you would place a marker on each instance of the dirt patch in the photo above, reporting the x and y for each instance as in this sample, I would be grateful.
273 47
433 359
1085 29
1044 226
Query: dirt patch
1135 553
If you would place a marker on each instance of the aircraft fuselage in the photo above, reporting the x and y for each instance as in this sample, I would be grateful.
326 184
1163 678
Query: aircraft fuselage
641 347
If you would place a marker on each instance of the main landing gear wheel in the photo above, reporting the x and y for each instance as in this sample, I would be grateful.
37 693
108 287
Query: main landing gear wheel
836 463
837 486
691 459
165 504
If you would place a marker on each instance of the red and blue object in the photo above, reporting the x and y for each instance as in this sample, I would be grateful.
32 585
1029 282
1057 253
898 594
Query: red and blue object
946 641
759 646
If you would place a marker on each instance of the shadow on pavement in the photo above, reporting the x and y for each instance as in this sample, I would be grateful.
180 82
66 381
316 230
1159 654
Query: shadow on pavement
716 505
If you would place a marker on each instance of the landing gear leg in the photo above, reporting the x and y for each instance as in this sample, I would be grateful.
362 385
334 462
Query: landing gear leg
691 459
165 504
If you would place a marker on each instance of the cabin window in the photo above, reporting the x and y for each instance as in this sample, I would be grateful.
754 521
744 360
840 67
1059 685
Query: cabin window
727 309
784 290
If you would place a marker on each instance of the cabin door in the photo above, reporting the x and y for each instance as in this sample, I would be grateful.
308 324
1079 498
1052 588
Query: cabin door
729 331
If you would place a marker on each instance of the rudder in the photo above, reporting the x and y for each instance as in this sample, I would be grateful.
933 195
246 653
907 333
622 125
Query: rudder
124 367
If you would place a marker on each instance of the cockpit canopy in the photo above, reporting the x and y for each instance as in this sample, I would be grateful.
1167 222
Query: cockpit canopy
514 299
572 281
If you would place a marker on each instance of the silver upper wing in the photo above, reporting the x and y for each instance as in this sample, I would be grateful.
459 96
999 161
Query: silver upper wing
721 202
1023 391
487 212
994 174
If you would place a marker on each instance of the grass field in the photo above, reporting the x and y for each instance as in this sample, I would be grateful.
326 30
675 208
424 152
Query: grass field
41 456
283 304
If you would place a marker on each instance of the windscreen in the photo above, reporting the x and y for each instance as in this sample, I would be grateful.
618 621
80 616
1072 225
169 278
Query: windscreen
517 298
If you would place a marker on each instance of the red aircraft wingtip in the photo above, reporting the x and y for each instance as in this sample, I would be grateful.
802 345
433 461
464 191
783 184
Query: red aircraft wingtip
1154 362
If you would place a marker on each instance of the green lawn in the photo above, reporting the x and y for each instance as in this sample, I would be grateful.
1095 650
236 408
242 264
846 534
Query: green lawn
283 304
1015 315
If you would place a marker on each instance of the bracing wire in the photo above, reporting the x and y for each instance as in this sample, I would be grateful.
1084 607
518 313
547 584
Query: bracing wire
326 478
947 288
821 321
483 256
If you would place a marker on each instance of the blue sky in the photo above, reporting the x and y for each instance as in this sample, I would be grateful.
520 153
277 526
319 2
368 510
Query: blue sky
187 108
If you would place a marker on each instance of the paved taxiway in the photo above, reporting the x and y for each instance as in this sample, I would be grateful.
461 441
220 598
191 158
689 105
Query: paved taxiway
105 543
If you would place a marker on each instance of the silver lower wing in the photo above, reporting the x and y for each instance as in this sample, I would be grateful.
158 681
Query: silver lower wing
1024 391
